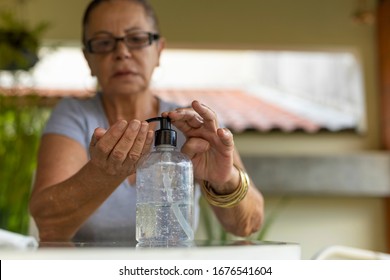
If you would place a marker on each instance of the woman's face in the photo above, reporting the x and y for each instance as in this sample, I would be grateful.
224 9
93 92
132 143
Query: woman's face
123 70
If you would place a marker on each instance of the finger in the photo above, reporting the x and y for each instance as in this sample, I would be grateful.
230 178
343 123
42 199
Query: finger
148 142
96 136
108 141
187 115
225 136
209 116
166 113
142 144
138 145
125 143
185 119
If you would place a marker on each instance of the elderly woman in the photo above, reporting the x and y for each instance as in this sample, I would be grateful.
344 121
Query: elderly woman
84 188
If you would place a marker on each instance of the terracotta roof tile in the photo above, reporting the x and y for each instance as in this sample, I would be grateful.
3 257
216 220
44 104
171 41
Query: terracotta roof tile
236 109
240 111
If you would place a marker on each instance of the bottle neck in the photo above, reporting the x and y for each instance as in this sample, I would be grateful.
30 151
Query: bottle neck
165 147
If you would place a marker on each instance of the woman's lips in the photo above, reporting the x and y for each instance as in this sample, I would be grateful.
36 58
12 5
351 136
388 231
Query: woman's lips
124 73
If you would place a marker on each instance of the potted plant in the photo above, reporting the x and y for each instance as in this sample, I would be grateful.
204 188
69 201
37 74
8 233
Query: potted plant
19 42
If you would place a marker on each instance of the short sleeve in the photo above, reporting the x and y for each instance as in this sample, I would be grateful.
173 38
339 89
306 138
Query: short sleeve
75 119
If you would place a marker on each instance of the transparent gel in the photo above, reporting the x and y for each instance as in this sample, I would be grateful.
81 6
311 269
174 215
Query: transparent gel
165 192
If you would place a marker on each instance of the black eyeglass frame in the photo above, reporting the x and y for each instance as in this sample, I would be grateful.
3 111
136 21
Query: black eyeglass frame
151 38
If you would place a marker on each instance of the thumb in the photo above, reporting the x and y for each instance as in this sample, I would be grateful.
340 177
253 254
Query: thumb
226 137
97 135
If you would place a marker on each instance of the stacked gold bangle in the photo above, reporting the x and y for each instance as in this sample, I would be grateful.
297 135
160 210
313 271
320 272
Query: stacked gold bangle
228 200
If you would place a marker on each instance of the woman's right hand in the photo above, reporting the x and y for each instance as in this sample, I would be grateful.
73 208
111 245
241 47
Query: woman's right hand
117 150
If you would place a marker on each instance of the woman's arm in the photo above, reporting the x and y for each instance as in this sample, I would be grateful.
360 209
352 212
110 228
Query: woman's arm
247 217
69 187
216 161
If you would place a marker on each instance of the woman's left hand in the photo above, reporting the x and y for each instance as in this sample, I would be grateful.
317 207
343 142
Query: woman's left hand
210 148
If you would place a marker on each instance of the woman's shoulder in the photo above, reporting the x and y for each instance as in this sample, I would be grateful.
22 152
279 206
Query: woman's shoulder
76 118
89 106
71 101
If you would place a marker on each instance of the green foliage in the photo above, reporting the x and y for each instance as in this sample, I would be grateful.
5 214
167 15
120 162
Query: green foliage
19 43
21 123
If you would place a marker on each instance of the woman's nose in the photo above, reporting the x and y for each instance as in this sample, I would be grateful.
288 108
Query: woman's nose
121 50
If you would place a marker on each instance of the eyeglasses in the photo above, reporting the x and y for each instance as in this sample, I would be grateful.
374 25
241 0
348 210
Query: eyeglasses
108 43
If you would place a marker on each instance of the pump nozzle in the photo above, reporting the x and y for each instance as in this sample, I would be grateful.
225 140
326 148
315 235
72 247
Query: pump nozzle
165 135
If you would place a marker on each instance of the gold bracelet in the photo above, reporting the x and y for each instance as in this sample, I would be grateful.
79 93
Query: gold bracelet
228 200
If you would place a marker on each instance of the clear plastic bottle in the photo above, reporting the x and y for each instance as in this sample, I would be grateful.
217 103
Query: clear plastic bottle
165 191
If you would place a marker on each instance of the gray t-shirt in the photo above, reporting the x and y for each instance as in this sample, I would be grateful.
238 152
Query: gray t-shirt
114 220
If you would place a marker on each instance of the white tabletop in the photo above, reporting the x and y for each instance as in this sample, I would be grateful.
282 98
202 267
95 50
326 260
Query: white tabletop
201 251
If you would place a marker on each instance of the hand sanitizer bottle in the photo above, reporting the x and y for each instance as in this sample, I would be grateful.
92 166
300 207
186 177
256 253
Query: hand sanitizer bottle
165 191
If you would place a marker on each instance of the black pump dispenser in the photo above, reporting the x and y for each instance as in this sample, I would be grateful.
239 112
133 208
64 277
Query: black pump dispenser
165 135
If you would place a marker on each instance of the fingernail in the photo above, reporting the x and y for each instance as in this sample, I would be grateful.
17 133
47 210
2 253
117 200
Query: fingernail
135 125
122 124
144 127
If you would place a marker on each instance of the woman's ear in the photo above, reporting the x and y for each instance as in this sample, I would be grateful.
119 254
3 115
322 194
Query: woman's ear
87 58
160 47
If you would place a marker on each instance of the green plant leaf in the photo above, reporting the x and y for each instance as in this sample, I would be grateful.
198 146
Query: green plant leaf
21 123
